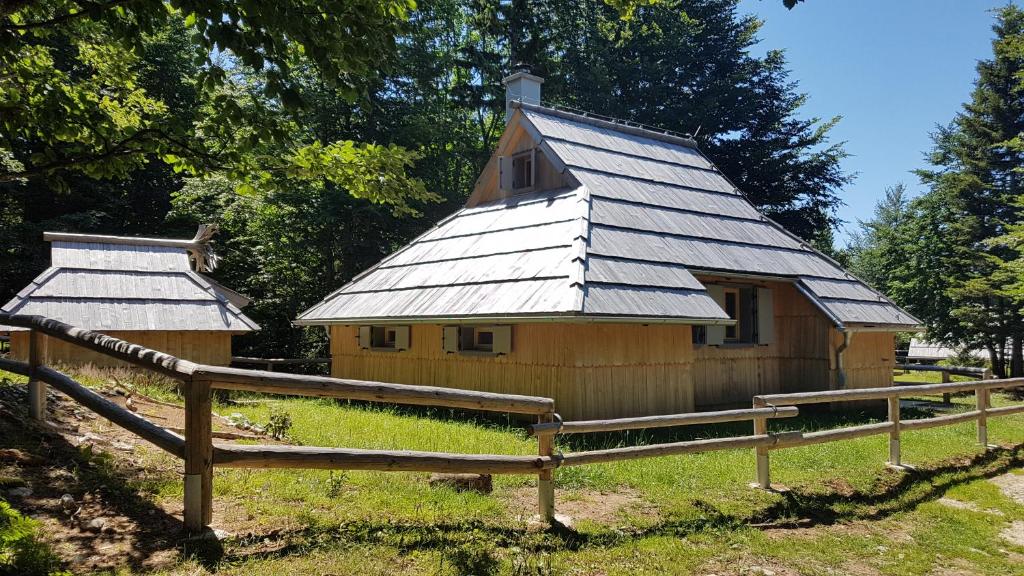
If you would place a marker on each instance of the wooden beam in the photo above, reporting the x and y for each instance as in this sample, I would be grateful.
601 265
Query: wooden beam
887 392
110 346
584 426
36 388
198 456
324 386
546 477
847 433
761 461
958 370
687 447
949 419
894 433
272 456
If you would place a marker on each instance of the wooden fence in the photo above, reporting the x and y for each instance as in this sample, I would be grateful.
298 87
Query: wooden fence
269 363
945 372
201 454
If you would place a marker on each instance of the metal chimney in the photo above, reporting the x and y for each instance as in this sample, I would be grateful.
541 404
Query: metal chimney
521 87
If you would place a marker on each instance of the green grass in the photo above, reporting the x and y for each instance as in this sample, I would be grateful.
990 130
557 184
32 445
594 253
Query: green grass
703 509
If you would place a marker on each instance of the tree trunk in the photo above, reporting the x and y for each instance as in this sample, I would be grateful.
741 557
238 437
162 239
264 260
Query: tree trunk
1017 357
996 356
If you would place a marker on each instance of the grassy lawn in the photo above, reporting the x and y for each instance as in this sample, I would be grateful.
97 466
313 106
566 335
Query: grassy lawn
845 511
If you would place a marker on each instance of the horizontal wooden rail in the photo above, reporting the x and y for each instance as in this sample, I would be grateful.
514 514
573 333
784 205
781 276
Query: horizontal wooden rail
720 416
261 456
687 447
958 370
276 361
883 393
946 420
822 436
324 386
124 418
108 345
1006 410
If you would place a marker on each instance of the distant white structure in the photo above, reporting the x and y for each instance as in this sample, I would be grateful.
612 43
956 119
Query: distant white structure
923 350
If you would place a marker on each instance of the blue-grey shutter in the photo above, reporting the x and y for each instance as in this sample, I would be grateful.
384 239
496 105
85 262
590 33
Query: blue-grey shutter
765 316
365 336
505 173
502 339
450 339
715 335
402 341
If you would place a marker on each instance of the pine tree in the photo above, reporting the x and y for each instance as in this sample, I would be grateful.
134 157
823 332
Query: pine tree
954 277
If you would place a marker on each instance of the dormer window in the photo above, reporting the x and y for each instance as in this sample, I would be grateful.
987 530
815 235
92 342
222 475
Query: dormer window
522 168
518 172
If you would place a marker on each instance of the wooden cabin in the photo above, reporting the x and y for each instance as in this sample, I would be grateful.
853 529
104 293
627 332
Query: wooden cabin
148 291
615 269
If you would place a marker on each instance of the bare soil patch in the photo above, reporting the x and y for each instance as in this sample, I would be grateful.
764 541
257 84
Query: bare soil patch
1014 533
1012 485
603 507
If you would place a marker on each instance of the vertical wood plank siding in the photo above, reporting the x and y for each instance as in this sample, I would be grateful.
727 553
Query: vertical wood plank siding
591 370
200 346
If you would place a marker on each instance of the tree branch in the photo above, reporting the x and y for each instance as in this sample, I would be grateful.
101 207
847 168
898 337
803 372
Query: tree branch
90 9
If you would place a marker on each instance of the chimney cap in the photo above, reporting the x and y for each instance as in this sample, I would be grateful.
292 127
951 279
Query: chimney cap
521 73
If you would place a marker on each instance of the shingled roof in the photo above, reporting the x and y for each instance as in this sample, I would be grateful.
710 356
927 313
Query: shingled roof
121 283
645 212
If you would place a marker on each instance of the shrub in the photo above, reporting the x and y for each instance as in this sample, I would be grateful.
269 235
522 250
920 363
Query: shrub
21 552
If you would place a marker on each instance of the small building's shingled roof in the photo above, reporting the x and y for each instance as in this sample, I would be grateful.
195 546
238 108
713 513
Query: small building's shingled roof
649 210
120 283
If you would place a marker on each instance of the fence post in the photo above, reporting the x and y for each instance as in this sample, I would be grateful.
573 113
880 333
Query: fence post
198 456
761 452
981 395
894 434
36 388
546 478
945 380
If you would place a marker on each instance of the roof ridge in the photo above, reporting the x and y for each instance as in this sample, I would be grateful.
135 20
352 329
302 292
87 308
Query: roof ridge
581 243
635 129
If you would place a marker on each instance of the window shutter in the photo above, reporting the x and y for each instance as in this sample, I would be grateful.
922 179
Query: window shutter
715 335
765 316
365 336
747 320
502 340
505 173
402 337
450 339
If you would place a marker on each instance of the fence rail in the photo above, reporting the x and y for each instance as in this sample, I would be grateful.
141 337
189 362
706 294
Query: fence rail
200 454
895 424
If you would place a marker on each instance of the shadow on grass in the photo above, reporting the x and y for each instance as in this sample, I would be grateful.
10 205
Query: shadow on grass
894 492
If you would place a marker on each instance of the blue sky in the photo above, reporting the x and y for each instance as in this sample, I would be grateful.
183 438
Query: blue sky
891 69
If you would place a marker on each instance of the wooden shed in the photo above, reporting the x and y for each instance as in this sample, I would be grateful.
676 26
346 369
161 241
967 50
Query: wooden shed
148 291
615 269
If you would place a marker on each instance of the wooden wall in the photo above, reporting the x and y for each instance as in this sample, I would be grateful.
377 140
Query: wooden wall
869 360
606 370
798 359
591 370
202 347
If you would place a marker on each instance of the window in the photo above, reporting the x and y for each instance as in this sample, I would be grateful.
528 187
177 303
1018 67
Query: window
522 170
384 337
752 309
518 173
732 309
484 340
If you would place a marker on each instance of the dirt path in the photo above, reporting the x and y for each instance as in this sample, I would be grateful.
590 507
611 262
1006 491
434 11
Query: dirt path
91 484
